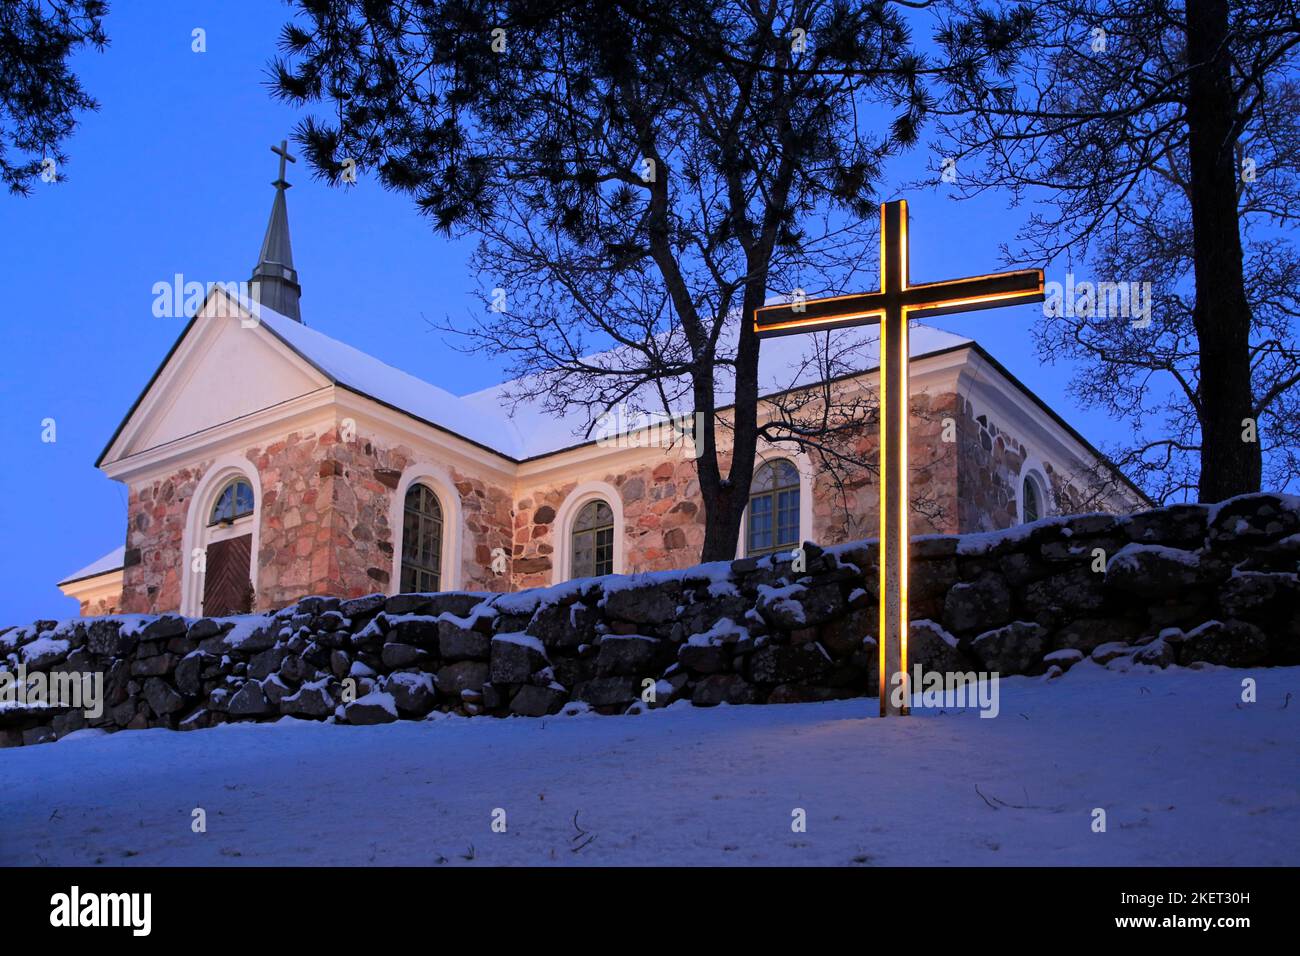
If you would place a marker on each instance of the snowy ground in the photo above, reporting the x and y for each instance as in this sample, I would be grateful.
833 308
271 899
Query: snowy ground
1186 773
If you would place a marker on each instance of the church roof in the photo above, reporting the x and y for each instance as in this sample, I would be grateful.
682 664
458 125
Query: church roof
784 363
109 562
366 375
524 429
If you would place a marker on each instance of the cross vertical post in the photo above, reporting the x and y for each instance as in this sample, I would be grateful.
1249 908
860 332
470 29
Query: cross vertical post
897 302
893 409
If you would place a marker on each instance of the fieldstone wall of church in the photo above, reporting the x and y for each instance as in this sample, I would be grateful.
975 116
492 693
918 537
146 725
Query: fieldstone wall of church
846 507
324 524
364 475
296 514
535 535
664 512
663 518
327 502
488 525
298 548
1189 585
155 535
990 462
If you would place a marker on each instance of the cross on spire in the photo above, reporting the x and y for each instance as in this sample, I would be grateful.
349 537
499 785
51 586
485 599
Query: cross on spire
283 152
274 277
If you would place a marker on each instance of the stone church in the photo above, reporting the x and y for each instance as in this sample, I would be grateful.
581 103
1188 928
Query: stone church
266 461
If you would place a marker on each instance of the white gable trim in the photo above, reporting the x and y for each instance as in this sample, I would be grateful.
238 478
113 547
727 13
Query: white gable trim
186 359
311 411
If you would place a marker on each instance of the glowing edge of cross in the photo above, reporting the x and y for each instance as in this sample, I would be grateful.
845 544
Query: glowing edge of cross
904 537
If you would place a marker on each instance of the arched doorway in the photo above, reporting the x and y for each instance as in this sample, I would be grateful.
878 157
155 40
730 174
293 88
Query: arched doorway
227 558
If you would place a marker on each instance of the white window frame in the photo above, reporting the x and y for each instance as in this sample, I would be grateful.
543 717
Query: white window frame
438 480
199 533
803 464
1034 471
567 515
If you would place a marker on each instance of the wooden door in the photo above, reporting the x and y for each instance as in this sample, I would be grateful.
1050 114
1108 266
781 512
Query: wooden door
227 588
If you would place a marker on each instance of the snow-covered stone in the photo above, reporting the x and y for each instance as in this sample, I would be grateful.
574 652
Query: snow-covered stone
376 707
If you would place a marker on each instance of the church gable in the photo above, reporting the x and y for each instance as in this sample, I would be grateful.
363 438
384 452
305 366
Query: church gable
223 368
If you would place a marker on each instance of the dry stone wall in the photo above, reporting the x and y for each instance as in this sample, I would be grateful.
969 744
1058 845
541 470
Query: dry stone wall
1188 585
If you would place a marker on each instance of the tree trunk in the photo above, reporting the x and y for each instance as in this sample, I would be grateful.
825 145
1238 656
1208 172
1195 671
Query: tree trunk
715 497
722 520
1229 464
724 506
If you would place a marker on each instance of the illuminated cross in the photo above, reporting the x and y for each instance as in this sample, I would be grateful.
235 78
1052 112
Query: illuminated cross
896 302
283 152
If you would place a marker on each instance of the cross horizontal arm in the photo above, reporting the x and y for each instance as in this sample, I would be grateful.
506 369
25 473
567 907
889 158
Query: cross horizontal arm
836 312
968 295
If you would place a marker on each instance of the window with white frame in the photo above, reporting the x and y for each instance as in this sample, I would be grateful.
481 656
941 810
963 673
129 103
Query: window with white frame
1033 497
592 541
773 515
421 541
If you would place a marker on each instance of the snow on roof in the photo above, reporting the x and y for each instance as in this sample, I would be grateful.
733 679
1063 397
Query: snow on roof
109 562
784 363
520 430
366 374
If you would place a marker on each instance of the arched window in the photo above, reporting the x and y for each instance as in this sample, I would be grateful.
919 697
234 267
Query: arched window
773 508
593 541
234 501
1033 497
421 541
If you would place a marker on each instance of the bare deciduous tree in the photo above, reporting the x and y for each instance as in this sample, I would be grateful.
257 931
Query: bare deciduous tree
642 177
1160 137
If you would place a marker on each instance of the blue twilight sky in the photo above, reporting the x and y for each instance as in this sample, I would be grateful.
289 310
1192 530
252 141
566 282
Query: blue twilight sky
172 175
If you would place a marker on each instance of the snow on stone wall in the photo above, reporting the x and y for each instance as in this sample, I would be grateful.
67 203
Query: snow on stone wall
1188 585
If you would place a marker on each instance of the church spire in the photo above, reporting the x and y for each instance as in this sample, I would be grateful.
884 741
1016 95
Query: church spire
276 278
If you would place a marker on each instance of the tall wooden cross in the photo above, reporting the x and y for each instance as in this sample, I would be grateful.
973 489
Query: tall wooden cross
283 152
896 302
